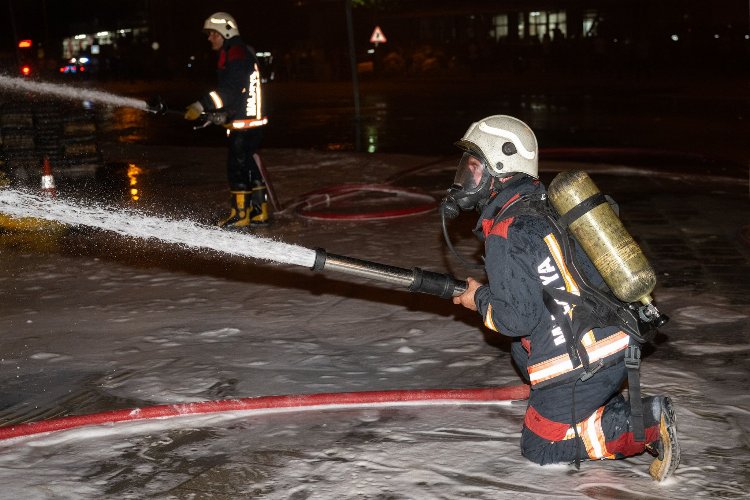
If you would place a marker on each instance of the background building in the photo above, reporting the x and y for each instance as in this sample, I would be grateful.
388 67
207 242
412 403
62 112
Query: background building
308 38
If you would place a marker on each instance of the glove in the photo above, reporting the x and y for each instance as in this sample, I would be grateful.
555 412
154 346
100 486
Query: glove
193 112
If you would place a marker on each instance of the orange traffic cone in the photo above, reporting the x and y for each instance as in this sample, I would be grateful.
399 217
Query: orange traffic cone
48 181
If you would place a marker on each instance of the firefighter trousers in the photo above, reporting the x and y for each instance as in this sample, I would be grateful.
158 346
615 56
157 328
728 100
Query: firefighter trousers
242 171
604 434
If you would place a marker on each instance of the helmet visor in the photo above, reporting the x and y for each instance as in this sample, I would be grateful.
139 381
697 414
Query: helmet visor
471 174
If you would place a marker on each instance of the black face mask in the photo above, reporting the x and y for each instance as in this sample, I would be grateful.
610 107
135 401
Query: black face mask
470 190
457 199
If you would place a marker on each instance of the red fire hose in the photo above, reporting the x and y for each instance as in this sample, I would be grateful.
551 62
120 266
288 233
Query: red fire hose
295 402
309 206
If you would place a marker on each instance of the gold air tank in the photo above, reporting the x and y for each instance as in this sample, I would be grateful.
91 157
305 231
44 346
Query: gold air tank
599 231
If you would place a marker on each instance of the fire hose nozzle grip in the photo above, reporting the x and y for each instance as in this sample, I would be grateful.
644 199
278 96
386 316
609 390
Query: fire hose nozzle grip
415 279
156 105
320 259
442 285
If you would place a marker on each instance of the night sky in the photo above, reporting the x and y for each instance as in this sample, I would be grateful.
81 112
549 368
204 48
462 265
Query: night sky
51 20
279 24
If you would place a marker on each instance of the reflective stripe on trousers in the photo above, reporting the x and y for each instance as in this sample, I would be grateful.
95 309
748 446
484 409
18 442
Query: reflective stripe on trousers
590 430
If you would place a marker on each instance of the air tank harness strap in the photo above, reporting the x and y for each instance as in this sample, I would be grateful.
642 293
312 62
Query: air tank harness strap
587 205
593 313
633 365
576 352
633 352
583 207
578 355
596 310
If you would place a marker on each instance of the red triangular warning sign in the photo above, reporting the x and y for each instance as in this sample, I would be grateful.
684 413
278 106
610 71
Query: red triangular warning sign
377 36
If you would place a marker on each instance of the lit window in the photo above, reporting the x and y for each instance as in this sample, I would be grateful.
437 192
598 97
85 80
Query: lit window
500 24
557 23
538 24
590 21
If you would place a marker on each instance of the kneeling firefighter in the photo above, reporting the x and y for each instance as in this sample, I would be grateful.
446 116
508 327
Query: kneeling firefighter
236 103
574 340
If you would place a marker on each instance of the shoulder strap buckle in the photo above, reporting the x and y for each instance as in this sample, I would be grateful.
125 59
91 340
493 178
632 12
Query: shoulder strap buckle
633 357
587 374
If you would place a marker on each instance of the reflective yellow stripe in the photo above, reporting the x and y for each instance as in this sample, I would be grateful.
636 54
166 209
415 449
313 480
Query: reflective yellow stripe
570 285
550 368
216 98
488 319
239 124
557 254
608 346
561 364
254 97
258 97
571 432
592 433
588 339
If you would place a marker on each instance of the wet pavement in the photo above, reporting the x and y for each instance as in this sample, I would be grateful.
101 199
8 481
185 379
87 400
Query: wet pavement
693 228
696 114
689 227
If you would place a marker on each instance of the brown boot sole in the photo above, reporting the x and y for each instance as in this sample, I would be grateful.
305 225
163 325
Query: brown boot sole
662 468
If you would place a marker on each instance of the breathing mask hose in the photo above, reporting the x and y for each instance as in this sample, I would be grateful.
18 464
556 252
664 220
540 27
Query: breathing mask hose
449 209
415 279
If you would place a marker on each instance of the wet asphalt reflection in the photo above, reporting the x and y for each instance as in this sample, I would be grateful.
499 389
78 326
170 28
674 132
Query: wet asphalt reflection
428 116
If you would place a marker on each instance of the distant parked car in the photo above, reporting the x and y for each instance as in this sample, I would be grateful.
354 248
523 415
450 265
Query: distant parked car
75 66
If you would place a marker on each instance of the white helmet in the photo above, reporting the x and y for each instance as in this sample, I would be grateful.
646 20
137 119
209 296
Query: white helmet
506 144
222 23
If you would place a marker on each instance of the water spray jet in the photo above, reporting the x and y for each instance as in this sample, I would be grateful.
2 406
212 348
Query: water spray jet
77 94
190 234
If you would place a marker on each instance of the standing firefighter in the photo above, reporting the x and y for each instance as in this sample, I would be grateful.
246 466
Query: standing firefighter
545 293
236 104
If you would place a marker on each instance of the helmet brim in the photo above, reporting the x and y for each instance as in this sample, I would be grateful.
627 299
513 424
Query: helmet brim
470 147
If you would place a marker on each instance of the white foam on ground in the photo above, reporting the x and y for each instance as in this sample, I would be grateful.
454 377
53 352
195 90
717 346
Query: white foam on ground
160 335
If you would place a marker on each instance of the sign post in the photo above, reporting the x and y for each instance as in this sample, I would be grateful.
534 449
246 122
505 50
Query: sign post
355 79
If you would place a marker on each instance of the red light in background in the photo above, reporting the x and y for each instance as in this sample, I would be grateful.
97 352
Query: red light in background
24 44
26 70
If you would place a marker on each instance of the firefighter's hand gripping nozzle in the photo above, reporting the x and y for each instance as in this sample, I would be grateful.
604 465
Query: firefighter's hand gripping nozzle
415 279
